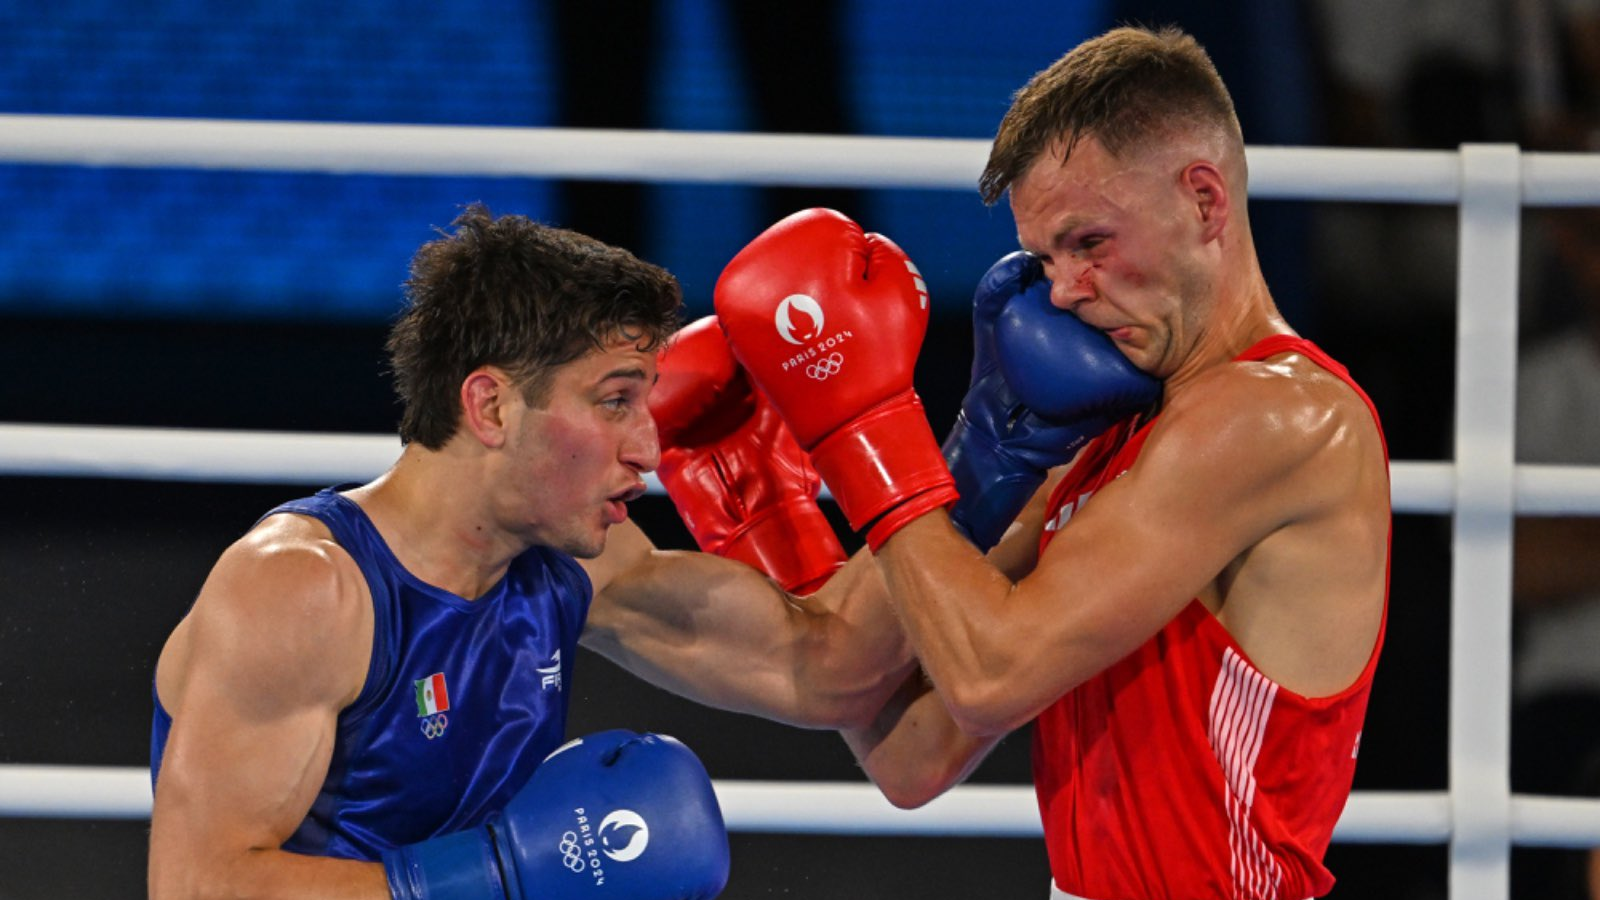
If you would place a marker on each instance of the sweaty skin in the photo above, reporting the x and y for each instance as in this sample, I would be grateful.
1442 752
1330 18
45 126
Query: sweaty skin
279 639
1262 490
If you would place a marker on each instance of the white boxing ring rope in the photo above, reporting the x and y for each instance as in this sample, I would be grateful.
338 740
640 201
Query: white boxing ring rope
1482 488
280 457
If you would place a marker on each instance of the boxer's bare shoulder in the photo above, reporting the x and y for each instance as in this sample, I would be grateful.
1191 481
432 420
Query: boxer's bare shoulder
285 594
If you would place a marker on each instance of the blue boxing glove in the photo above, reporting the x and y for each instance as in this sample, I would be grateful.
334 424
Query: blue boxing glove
613 815
1043 384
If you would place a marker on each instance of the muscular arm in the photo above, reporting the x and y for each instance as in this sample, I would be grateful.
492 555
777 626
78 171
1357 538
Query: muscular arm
1214 480
254 677
914 751
723 634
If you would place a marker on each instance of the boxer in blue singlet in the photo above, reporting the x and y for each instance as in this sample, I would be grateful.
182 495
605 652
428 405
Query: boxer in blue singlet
362 699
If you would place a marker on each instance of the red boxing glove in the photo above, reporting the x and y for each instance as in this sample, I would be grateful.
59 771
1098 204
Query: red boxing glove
743 486
828 321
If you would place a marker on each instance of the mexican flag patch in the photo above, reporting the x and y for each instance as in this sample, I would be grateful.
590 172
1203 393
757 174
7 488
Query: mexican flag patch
432 697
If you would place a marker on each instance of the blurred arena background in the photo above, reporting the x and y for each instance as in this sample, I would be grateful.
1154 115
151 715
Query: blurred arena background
159 297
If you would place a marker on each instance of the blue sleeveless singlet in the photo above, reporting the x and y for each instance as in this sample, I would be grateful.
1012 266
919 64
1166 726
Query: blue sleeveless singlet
463 699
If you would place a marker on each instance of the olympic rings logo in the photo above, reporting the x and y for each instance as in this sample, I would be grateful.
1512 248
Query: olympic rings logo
571 853
433 726
826 367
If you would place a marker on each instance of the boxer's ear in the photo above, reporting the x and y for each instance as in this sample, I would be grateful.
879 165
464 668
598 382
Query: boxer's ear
486 393
1208 192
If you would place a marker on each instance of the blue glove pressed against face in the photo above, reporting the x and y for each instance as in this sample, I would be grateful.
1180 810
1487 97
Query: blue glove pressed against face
1043 384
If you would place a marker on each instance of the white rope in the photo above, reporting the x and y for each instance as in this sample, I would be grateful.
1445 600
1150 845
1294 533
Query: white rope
1555 821
1560 179
1384 817
1284 173
455 150
72 792
275 457
841 808
193 454
1557 490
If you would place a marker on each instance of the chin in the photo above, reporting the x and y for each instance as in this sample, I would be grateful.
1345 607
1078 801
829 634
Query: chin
588 549
586 546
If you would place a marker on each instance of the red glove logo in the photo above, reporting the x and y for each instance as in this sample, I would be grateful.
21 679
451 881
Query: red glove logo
852 407
785 320
828 365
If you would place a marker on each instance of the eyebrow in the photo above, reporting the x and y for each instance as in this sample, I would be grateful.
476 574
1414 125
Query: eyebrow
1063 234
1055 239
632 373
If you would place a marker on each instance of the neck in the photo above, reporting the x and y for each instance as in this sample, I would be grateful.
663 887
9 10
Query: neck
442 533
1242 313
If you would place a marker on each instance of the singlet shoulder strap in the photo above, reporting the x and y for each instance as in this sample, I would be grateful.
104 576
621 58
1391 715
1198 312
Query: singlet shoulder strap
1287 343
1272 345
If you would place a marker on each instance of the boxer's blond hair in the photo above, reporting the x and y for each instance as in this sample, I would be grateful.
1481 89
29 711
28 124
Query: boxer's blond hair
1128 88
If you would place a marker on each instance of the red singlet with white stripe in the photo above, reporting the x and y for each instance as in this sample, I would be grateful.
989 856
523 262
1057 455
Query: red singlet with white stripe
1182 771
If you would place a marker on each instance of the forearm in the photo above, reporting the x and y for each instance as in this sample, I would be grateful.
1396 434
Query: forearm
217 830
950 599
913 750
722 634
862 654
263 873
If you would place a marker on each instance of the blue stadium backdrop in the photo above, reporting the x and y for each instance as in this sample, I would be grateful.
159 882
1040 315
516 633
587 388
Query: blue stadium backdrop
241 245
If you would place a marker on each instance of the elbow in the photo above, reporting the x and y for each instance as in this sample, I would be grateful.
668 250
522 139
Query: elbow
200 881
166 878
986 708
839 693
185 870
908 796
911 787
170 880
163 883
836 711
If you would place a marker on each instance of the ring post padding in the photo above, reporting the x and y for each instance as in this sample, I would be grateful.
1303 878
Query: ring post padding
1480 585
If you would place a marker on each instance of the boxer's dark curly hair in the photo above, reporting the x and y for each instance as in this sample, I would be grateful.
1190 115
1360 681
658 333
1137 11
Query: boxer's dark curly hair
1126 88
525 297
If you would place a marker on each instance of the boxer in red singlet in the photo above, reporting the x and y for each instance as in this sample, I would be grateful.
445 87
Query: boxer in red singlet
1190 612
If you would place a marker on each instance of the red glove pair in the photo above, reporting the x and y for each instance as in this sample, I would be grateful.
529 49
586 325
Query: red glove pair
823 323
743 486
